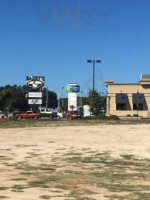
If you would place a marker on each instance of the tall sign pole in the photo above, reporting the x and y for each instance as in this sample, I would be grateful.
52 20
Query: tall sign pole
34 85
47 97
72 90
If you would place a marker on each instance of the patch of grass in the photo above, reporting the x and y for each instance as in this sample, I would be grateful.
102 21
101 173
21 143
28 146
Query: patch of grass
77 193
73 154
19 179
51 142
45 197
43 181
60 123
3 188
84 198
5 158
132 196
18 188
75 172
3 197
113 187
128 157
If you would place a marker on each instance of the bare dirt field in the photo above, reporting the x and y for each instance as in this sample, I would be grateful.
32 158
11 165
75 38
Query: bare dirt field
97 162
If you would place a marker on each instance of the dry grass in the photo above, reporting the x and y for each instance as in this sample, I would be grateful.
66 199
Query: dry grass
62 123
53 163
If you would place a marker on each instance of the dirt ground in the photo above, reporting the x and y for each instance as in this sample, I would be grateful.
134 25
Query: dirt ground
75 163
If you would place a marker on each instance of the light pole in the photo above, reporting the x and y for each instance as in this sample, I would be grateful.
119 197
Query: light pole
81 103
137 103
47 98
62 98
93 61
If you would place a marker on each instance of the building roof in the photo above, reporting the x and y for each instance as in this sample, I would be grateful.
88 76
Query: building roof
144 80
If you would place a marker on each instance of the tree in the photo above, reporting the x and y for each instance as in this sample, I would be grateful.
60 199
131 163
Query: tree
5 101
13 98
52 99
72 107
97 102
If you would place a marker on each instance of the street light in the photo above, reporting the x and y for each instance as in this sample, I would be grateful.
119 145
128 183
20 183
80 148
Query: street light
81 103
93 61
62 98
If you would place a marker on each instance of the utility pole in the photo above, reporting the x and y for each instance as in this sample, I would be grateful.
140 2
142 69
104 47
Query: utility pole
46 97
93 91
81 103
137 103
62 98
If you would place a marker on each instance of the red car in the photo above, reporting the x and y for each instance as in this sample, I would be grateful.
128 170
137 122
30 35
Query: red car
28 115
74 115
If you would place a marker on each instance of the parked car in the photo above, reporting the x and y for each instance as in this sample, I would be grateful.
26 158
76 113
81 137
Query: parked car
28 115
46 112
59 115
73 115
2 115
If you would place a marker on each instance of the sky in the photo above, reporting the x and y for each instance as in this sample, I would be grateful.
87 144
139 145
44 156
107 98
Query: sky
54 38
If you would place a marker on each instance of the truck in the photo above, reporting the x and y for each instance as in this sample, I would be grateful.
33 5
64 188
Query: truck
49 112
28 115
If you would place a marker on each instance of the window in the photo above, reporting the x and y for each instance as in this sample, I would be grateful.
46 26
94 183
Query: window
121 106
138 101
121 101
29 112
138 106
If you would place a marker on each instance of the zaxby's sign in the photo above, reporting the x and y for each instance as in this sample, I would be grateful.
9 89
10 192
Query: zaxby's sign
34 85
35 82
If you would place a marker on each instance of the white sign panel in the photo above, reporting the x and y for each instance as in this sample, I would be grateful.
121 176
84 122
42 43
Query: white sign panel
35 101
86 110
72 101
35 94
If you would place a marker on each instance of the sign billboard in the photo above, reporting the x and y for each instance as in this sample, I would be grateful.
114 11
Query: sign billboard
73 88
72 101
35 78
35 101
35 94
35 82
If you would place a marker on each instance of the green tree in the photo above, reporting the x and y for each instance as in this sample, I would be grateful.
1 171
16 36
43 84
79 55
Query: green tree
72 107
5 101
13 98
97 102
52 99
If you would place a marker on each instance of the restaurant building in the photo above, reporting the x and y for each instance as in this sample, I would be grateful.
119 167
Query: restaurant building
129 99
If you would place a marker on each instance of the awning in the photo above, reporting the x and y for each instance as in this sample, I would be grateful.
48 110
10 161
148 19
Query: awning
121 98
138 98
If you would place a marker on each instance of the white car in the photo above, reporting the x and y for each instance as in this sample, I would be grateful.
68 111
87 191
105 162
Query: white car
59 115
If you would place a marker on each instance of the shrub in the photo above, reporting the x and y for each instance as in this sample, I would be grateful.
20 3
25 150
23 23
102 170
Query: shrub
111 117
135 115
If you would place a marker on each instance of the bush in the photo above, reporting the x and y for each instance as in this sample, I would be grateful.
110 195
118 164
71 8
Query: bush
115 117
111 117
135 115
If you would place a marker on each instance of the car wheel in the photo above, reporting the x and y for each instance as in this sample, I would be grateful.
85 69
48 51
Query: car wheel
19 117
35 117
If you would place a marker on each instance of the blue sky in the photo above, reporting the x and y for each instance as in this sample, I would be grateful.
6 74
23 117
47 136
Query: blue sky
54 38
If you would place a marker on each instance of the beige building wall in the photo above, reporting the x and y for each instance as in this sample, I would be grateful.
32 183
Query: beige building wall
129 89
